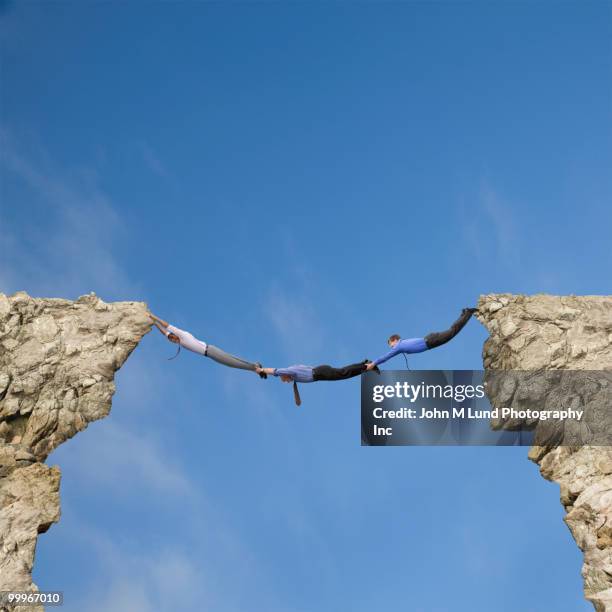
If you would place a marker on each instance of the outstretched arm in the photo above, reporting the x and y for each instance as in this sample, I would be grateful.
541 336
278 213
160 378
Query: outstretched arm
157 320
392 353
162 330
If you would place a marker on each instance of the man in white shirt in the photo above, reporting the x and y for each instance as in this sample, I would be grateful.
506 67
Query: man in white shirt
191 343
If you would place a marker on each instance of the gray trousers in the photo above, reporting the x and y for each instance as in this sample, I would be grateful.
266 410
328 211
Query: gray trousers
226 359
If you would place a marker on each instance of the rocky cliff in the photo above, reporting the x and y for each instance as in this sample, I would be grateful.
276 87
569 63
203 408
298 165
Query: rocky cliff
573 333
57 363
58 359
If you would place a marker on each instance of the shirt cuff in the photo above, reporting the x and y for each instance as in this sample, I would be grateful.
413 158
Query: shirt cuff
171 330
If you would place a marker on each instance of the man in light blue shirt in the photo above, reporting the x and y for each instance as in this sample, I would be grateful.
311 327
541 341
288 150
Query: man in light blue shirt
298 373
418 345
308 374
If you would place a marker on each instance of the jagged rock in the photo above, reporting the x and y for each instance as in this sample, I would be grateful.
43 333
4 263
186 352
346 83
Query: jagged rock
57 363
574 333
58 359
29 505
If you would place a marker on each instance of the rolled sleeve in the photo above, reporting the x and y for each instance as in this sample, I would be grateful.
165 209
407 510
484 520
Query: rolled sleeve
283 372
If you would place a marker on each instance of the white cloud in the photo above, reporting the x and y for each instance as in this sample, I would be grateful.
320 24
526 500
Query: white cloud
501 221
146 583
144 381
139 580
296 322
118 459
490 229
304 311
153 161
72 251
200 563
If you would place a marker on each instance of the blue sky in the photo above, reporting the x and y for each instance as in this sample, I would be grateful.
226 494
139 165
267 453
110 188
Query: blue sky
294 182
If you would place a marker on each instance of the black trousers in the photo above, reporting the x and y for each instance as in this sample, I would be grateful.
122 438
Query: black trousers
327 372
437 338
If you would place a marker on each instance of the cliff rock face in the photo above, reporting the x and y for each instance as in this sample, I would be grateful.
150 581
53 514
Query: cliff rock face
574 333
57 363
58 359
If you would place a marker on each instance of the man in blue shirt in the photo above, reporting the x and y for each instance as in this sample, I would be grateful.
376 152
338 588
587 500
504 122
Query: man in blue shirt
418 345
308 374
